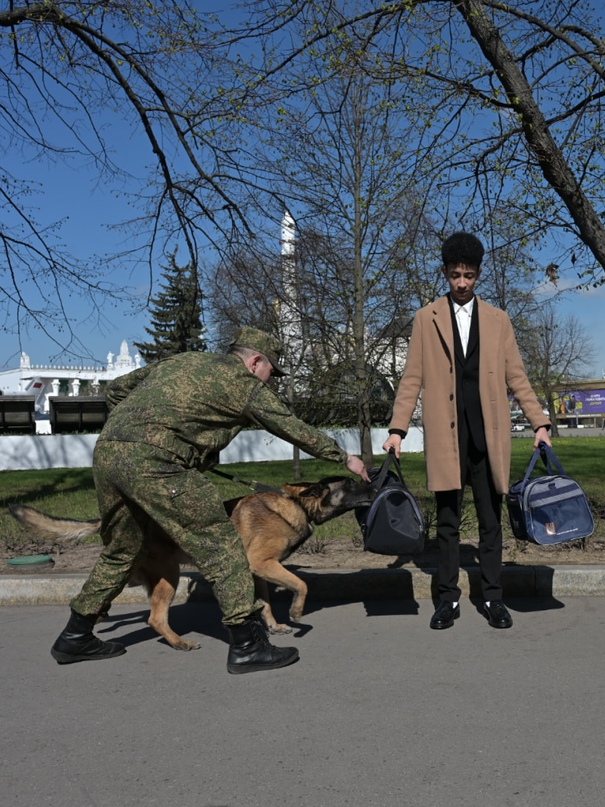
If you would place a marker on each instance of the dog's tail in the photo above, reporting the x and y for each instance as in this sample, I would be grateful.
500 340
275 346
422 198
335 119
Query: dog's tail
68 530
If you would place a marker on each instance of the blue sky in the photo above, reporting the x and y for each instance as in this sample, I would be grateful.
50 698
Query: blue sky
72 192
589 309
69 192
90 211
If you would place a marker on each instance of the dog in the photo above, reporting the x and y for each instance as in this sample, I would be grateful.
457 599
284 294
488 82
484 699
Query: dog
272 526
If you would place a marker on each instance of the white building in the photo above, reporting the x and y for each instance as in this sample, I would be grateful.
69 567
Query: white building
46 380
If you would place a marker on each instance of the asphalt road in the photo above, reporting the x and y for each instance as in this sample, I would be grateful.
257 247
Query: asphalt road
379 711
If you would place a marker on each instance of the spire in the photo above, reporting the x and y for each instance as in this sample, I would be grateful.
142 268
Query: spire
290 320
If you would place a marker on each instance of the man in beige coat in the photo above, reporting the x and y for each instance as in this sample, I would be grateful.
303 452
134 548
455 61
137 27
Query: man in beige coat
463 359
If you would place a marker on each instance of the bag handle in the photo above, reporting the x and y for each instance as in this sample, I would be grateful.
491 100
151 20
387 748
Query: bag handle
390 460
548 456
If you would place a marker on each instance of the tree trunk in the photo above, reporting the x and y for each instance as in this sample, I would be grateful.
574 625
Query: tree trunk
295 449
361 368
554 429
296 463
365 430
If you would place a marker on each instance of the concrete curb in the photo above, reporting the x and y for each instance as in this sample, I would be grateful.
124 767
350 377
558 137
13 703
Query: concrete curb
333 584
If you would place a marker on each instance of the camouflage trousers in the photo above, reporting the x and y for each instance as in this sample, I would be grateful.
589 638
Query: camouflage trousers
141 488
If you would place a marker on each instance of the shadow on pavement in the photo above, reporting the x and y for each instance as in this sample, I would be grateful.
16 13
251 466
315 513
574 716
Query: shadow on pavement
185 619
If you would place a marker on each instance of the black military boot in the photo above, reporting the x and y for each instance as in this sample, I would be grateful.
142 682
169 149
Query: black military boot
251 651
78 643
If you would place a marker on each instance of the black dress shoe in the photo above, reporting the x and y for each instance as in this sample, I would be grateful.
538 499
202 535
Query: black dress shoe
444 616
497 614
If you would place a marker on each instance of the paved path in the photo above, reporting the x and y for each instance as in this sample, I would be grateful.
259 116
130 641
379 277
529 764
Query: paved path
379 712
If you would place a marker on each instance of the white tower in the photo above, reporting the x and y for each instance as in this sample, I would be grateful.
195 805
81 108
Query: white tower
290 320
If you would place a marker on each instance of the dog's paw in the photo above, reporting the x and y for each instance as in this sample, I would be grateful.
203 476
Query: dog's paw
277 628
185 644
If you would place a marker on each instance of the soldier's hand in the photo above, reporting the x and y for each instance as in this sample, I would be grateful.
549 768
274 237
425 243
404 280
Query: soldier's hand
356 466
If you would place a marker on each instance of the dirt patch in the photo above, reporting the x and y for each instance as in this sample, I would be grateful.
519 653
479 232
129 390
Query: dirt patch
75 560
341 554
337 553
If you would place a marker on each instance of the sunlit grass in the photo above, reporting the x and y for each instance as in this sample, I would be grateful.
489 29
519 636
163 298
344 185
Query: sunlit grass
70 492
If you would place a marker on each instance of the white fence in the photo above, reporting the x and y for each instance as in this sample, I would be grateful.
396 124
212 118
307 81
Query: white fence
40 451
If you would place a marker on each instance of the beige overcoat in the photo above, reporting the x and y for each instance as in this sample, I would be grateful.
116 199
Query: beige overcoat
430 372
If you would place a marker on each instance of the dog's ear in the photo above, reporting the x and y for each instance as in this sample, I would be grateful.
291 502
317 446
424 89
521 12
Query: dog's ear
296 488
231 504
315 491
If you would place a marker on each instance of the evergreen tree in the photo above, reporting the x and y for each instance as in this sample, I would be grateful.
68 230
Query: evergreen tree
176 315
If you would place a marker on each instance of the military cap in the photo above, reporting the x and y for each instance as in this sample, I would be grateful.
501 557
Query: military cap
262 342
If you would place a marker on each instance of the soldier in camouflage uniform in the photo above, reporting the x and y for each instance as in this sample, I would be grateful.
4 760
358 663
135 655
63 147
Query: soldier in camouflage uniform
167 425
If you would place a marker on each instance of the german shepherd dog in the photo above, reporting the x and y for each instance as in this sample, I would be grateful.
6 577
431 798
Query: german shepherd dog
272 527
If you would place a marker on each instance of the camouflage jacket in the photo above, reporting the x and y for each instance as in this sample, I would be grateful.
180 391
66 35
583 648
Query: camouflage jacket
194 404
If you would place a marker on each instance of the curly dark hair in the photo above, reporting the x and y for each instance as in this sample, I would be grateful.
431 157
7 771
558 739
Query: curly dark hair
463 248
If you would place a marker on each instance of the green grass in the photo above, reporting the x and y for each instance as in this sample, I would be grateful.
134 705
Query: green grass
70 492
582 457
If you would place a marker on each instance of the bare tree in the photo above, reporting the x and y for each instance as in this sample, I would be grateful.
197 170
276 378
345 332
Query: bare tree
337 157
507 99
557 352
67 69
545 104
499 106
344 155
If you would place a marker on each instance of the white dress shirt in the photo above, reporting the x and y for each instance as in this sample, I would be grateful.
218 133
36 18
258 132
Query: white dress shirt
463 318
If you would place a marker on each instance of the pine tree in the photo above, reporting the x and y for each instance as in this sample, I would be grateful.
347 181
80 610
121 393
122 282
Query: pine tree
176 315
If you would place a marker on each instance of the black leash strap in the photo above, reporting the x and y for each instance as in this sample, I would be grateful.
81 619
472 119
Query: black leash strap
258 486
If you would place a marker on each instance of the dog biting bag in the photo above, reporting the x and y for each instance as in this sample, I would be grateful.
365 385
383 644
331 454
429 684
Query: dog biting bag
393 523
548 509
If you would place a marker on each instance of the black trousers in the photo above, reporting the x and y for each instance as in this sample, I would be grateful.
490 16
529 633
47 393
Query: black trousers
475 470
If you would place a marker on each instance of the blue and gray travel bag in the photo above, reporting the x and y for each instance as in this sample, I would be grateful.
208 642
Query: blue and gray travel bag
548 509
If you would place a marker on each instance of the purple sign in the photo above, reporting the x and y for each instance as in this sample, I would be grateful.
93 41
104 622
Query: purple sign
581 402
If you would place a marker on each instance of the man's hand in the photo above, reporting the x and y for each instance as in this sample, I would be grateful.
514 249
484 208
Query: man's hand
393 442
542 435
357 466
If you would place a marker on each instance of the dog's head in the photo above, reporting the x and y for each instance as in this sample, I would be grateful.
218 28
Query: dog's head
330 497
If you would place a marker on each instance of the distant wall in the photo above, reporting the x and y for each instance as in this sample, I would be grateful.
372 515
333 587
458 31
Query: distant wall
28 451
31 451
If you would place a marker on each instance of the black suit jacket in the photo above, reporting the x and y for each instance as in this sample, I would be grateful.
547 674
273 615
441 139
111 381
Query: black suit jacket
467 380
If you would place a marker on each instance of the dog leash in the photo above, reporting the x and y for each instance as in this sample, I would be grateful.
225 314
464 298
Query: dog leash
258 486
